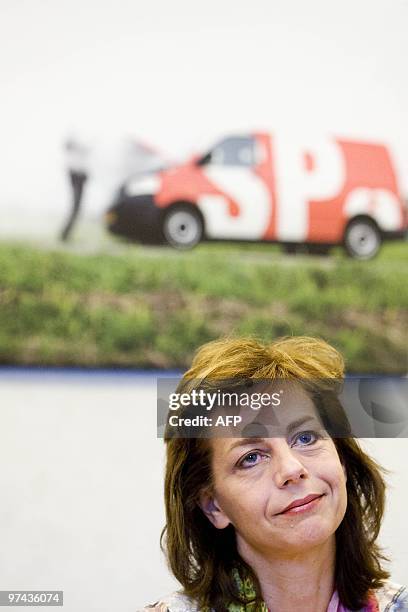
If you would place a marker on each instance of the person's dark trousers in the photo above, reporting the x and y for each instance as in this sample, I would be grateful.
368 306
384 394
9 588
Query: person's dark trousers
77 180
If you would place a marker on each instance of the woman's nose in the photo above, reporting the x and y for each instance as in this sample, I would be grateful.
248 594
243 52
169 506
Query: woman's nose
287 466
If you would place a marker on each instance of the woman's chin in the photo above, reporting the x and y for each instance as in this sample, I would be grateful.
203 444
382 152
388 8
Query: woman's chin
300 537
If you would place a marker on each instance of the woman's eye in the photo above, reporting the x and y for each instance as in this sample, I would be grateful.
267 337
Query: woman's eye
304 438
307 437
251 459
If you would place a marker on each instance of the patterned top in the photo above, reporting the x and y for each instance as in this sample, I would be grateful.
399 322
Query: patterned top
392 597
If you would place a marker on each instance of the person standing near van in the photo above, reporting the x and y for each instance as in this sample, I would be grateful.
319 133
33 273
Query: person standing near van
101 163
77 162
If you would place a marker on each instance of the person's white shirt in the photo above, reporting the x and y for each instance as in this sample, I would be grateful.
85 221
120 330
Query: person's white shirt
108 161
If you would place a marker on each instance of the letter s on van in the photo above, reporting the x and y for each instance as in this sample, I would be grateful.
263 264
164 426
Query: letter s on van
269 188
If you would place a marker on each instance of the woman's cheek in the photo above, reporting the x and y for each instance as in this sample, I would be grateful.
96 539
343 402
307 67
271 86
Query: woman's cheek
247 505
333 472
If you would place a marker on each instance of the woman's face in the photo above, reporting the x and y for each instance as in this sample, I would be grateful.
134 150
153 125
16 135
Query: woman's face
256 479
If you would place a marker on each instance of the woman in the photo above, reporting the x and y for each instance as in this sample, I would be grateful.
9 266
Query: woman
281 523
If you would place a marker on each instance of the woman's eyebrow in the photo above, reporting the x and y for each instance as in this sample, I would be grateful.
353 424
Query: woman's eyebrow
246 442
290 428
299 422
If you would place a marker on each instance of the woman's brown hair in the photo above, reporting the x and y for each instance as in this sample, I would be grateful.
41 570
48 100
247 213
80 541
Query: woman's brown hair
203 558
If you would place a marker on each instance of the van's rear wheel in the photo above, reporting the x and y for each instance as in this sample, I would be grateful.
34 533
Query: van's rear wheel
182 227
362 239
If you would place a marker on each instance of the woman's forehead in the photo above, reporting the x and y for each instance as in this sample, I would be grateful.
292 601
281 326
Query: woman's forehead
280 419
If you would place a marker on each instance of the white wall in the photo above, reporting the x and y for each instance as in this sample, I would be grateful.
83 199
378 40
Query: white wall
180 73
81 491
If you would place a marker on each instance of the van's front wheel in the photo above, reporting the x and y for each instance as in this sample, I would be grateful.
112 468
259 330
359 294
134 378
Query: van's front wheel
182 227
362 239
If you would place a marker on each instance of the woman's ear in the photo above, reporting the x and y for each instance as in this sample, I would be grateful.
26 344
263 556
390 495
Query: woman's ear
212 510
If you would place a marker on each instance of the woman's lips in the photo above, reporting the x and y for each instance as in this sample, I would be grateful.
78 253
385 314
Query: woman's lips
304 507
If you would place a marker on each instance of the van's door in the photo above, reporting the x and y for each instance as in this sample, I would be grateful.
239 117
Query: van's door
244 214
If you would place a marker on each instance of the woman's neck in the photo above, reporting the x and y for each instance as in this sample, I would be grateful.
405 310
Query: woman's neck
302 581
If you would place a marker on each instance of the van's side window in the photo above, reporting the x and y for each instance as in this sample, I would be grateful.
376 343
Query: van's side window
234 151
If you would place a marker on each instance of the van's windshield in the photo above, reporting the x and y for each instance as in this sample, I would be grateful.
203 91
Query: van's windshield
232 151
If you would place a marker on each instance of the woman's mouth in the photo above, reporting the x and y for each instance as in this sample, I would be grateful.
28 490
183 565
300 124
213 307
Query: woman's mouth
306 507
